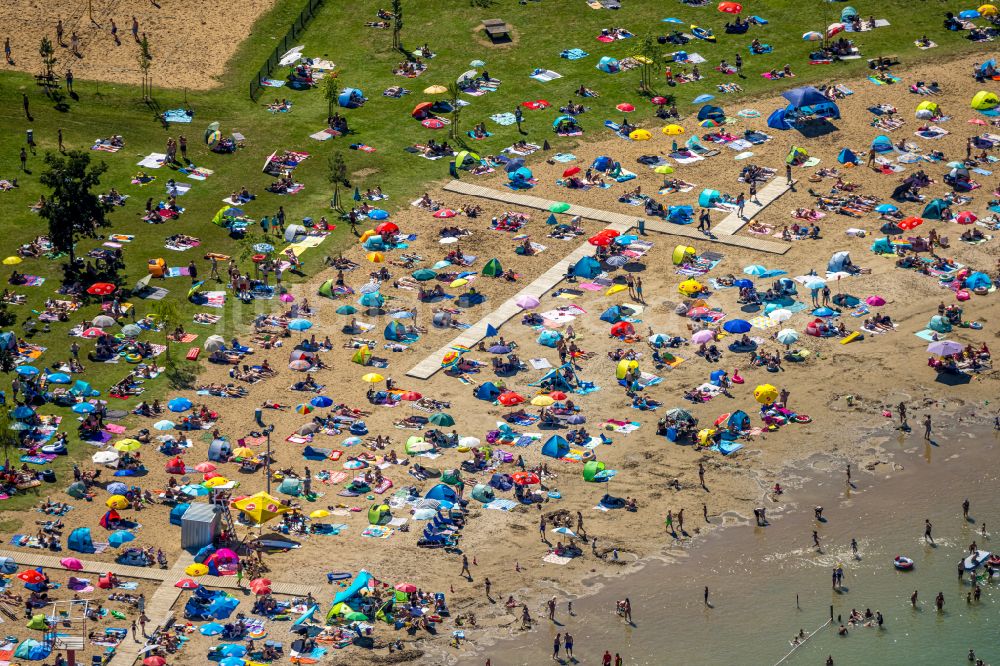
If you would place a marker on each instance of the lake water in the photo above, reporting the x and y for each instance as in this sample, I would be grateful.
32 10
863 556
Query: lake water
756 574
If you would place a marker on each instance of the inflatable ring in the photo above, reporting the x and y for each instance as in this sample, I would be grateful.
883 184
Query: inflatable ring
976 325
963 295
464 449
335 455
257 634
133 358
981 291
802 418
587 455
257 258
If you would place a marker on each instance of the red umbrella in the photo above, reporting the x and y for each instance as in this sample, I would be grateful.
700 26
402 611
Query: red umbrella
599 240
526 478
730 7
411 396
659 101
610 233
445 213
155 660
408 588
510 399
622 329
187 584
387 228
626 107
572 171
557 395
92 332
432 123
910 223
966 217
31 577
260 586
101 289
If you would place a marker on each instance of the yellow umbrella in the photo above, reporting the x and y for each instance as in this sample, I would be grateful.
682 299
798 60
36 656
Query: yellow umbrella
127 445
663 168
260 507
640 135
614 289
765 394
689 287
460 282
705 436
372 378
216 481
542 400
243 452
673 130
376 257
319 513
987 10
11 260
196 569
435 90
117 502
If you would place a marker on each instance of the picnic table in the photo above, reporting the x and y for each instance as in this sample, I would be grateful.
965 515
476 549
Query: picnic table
496 28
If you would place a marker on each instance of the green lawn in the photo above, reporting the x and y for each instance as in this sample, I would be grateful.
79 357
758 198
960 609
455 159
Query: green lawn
365 59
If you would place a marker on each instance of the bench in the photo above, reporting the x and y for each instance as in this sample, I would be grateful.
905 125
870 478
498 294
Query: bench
885 61
496 28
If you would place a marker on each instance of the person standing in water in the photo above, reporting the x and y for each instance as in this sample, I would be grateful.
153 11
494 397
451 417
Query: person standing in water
939 602
854 548
965 508
927 531
913 599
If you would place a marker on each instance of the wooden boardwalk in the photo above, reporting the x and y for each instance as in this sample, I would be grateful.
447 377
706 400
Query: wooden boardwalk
620 222
732 223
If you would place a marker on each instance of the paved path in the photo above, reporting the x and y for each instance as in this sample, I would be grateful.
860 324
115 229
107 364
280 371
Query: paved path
724 234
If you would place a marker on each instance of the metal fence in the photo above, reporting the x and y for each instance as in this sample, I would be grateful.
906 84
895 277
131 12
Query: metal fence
297 28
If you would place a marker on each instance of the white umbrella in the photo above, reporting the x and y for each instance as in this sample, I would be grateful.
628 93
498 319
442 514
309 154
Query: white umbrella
787 336
815 283
103 321
369 288
944 347
104 457
214 343
781 314
448 240
471 442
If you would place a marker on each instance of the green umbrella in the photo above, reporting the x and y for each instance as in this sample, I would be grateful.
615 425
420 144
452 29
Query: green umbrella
424 274
356 617
441 419
346 310
560 207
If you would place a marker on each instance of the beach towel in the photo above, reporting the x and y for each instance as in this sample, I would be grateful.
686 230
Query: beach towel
573 54
178 116
152 161
504 118
544 75
893 79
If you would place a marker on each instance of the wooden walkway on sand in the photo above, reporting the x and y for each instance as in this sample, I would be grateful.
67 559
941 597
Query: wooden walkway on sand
723 234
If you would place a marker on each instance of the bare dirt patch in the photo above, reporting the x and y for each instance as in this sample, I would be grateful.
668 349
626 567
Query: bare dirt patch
191 40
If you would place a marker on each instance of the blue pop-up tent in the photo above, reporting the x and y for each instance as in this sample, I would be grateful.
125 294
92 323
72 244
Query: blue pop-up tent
709 112
612 315
708 197
847 156
882 144
350 98
555 447
80 541
487 391
587 268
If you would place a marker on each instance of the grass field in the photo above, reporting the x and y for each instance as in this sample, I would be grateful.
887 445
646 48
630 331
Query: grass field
365 59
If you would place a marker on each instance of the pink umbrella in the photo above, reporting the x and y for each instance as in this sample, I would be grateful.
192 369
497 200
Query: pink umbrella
205 467
966 217
875 301
286 298
527 302
625 107
432 123
71 563
300 365
702 337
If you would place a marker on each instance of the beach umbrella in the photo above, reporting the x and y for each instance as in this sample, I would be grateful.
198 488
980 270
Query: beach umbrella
194 490
286 298
910 223
663 169
469 442
101 289
59 378
737 326
781 314
599 240
243 452
885 208
432 123
187 584
214 480
672 130
84 408
659 101
812 36
640 135
321 401
104 457
460 282
436 89
260 507
448 240
372 378
126 445
703 336
834 28
164 425
477 63
969 14
71 563
542 400
260 586
966 217
375 257
815 283
756 270
701 99
205 467
155 660
875 301
346 310
572 171
179 405
27 370
211 628
709 123
617 261
614 289
987 10
299 325
510 398
945 348
625 107
527 302
12 261
120 537
31 577
20 425
116 488
131 331
787 336
559 207
406 588
445 213
103 321
890 229
674 20
301 365
525 478
319 513
765 394
263 248
387 228
730 7
22 412
410 396
823 312
442 420
378 214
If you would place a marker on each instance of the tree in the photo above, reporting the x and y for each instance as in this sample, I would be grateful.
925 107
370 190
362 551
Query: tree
169 315
456 109
331 91
397 23
649 54
337 175
145 62
9 439
73 208
48 55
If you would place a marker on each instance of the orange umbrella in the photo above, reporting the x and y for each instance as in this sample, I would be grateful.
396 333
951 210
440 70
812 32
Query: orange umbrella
526 478
510 399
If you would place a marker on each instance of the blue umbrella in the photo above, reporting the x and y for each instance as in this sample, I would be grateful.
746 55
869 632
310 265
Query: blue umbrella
83 408
969 14
701 99
20 425
346 310
179 405
886 208
22 412
232 661
116 488
211 629
378 214
194 490
755 269
372 299
737 326
823 312
299 325
27 370
742 283
321 401
59 378
120 537
232 650
673 20
263 248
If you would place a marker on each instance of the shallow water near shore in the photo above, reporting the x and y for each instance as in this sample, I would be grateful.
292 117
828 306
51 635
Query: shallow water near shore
757 575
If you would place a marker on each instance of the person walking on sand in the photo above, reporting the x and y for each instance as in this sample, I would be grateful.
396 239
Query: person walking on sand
239 573
6 50
753 192
706 595
816 539
568 645
638 291
114 33
74 44
488 585
135 29
134 628
465 568
927 531
848 473
704 511
627 608
59 33
928 425
788 173
556 645
670 521
551 604
606 659
680 521
541 526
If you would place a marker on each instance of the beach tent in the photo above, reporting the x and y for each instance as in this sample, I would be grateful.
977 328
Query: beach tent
796 155
219 450
493 268
807 100
709 112
175 465
847 156
374 243
487 391
682 254
483 493
555 447
612 315
109 519
609 65
294 233
624 367
569 120
362 356
466 156
778 121
290 486
934 210
395 331
591 469
587 268
848 14
603 163
32 650
327 289
840 261
930 107
443 494
881 144
8 341
623 329
177 512
708 197
549 338
77 490
80 541
939 324
978 281
379 514
350 98
883 246
984 100
738 420
680 214
441 319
